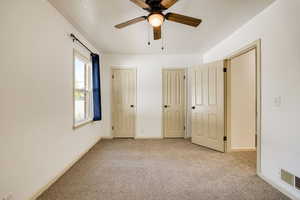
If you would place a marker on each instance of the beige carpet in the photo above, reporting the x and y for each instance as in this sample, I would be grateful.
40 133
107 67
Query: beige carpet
161 170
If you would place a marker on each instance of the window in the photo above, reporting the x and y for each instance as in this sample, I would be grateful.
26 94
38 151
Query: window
82 90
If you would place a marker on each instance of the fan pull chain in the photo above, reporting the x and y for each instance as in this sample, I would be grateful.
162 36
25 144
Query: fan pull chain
149 43
163 38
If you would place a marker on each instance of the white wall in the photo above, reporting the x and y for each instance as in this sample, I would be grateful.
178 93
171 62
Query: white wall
149 87
36 104
278 27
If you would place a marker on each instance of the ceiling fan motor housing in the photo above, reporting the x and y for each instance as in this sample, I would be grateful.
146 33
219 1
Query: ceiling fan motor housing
155 5
156 16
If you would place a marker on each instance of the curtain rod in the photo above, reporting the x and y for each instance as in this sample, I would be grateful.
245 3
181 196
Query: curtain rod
76 39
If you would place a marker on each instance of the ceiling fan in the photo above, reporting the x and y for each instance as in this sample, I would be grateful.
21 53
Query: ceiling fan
156 17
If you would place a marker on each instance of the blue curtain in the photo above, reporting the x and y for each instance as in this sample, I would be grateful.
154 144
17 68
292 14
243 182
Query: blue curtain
96 87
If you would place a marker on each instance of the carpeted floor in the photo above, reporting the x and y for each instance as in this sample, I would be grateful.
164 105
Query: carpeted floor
161 170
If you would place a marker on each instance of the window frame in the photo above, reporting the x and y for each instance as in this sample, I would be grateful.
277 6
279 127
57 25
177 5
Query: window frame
88 90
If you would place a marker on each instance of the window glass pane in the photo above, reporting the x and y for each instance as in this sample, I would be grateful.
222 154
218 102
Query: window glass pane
88 105
80 100
79 74
91 78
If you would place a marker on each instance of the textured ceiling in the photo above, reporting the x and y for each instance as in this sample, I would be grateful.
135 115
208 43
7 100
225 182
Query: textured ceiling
95 19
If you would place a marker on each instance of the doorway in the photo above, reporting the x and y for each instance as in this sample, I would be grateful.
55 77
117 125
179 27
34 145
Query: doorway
174 101
243 101
123 103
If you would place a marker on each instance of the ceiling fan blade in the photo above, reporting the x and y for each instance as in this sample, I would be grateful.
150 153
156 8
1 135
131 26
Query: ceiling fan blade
141 4
157 33
183 19
130 22
168 3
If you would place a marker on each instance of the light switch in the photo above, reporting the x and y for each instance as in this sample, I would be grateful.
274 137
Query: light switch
277 102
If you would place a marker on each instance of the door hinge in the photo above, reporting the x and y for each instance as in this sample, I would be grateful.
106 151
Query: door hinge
255 140
224 69
225 138
112 128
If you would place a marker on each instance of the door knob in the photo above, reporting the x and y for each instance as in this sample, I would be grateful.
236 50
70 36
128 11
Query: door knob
194 107
132 106
166 106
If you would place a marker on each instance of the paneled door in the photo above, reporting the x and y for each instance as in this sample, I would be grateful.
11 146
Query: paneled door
208 105
174 103
123 102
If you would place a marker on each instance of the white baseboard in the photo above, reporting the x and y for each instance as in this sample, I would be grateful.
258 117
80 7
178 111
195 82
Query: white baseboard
107 137
141 138
240 149
148 138
281 189
51 182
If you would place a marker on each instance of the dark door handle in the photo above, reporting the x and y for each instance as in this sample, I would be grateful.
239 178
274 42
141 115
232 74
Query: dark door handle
166 106
132 106
194 107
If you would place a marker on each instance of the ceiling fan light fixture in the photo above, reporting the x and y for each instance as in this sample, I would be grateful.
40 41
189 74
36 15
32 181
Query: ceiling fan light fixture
156 20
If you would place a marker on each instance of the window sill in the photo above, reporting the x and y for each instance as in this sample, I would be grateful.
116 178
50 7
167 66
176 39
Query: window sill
81 124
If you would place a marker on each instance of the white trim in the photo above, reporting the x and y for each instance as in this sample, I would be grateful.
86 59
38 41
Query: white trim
81 56
83 123
281 189
239 149
148 138
67 168
107 137
87 62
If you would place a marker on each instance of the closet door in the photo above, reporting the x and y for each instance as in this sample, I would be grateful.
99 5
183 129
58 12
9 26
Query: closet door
174 103
208 105
123 102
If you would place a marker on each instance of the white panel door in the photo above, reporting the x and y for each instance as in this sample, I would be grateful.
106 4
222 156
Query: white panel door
123 102
208 105
174 103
